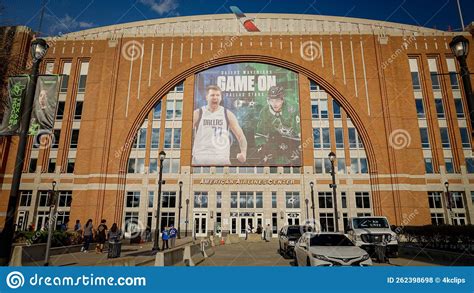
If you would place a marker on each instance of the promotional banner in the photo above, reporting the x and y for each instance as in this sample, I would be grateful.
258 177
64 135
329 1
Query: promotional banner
246 114
10 123
45 104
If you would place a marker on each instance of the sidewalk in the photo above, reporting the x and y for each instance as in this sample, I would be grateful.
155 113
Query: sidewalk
142 253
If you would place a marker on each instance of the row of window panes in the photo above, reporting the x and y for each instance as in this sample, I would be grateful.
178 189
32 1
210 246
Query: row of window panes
449 165
77 110
319 109
323 166
64 199
137 165
436 201
51 165
245 170
172 138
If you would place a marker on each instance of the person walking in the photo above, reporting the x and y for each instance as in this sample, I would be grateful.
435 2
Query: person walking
165 236
101 236
77 226
173 234
268 233
115 245
87 235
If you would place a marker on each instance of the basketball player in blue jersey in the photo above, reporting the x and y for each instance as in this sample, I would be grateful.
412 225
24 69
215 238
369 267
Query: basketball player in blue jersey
211 125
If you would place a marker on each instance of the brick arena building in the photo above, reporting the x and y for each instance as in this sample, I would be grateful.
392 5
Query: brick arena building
384 97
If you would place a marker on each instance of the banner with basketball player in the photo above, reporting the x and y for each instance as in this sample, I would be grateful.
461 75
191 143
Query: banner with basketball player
246 114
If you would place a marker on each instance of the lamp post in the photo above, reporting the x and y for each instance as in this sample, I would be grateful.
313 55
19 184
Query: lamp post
311 184
448 203
307 211
53 203
179 208
187 219
460 48
156 244
332 158
39 47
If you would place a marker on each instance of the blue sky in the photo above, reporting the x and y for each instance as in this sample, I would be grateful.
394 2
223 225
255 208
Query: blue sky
65 16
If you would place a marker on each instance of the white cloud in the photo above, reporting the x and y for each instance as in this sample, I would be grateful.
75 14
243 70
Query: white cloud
67 24
162 6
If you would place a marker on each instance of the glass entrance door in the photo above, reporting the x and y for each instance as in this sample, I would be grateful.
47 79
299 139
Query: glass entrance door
245 222
293 218
200 224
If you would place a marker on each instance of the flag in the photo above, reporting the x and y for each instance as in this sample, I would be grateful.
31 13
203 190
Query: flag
17 88
44 104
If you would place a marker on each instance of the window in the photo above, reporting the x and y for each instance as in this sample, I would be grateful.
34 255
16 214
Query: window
444 137
336 108
362 200
465 138
459 108
62 217
313 86
420 111
435 80
178 112
453 78
57 135
136 166
169 109
439 108
341 166
472 197
343 201
25 198
456 197
339 138
317 138
52 165
70 165
133 199
314 109
219 199
151 196
200 199
429 166
326 138
43 199
83 77
434 200
179 88
274 223
470 165
324 108
273 170
437 219
141 139
153 167
233 200
74 138
65 77
325 200
171 165
363 166
60 111
449 165
65 199
327 222
246 200
354 140
219 170
78 110
157 112
167 219
131 166
177 138
32 165
274 200
168 138
318 166
354 166
168 200
259 200
292 200
131 222
425 143
155 138
415 78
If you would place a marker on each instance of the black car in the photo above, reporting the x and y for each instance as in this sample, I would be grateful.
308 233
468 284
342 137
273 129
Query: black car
288 236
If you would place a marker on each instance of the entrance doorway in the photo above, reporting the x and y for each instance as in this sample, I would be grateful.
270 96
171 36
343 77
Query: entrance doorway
293 218
22 220
200 224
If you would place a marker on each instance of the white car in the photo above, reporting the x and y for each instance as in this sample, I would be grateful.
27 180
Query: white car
329 249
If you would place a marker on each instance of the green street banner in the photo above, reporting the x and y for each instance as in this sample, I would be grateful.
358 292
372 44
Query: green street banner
246 114
45 104
10 123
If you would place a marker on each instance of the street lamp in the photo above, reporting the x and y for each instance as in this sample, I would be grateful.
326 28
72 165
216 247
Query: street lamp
39 47
187 219
311 184
460 48
179 208
448 202
307 211
156 244
53 203
332 158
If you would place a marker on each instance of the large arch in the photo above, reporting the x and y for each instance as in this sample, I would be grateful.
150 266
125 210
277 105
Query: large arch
353 111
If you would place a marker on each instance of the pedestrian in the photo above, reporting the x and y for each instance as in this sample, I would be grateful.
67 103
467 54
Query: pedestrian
115 245
87 235
173 234
77 226
268 233
248 231
101 236
64 225
165 236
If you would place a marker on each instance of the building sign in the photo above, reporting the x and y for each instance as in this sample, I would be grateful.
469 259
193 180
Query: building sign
246 114
10 123
45 104
246 181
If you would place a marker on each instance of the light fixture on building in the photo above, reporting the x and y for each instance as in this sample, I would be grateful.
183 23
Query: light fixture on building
332 159
39 47
459 46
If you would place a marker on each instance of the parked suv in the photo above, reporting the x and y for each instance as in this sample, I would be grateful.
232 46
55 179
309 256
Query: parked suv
368 232
288 237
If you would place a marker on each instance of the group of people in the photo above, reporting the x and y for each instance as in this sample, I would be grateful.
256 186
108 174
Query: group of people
266 233
169 234
101 234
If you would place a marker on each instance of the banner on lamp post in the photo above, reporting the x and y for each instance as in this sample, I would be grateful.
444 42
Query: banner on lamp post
45 104
11 119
